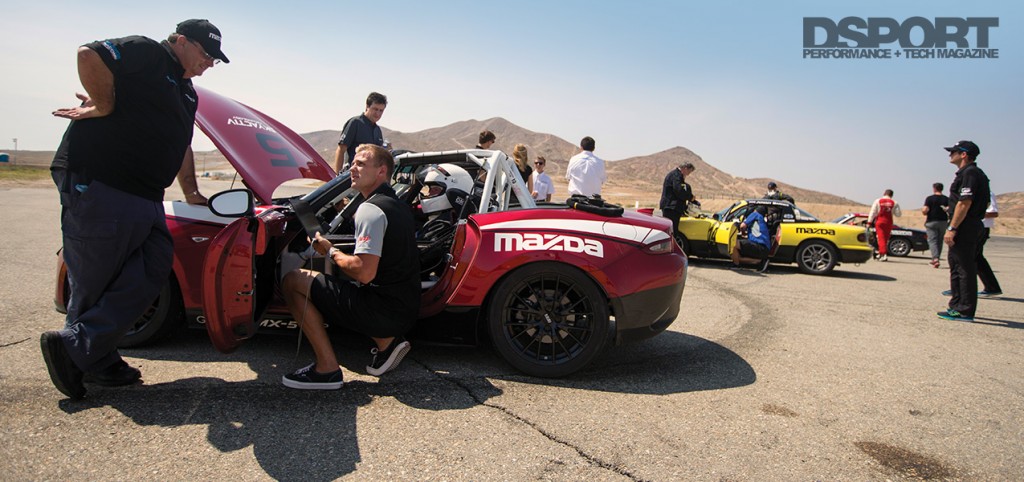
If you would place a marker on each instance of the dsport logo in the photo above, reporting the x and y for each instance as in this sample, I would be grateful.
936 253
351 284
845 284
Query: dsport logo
915 37
547 242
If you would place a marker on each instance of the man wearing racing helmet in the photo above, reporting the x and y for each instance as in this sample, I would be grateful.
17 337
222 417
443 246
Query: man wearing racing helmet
439 180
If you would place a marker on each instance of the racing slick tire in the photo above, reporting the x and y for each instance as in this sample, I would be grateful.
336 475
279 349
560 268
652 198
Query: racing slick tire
548 320
899 247
816 257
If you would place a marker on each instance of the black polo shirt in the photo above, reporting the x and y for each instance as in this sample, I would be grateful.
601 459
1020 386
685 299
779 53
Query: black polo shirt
970 183
137 148
360 130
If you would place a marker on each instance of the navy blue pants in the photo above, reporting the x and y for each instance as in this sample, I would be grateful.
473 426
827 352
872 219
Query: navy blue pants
963 268
118 252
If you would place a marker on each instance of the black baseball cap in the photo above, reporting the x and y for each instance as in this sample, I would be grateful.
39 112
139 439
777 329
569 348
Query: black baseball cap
966 146
204 33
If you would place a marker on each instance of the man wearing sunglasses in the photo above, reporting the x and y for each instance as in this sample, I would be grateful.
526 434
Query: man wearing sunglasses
126 143
543 187
968 200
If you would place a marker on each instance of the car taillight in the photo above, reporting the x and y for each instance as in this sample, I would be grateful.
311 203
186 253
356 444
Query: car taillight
660 247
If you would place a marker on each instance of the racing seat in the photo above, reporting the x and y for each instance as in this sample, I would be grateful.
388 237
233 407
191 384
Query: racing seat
462 202
435 238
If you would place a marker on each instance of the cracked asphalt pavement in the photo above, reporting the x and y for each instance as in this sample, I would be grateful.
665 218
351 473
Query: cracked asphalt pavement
781 376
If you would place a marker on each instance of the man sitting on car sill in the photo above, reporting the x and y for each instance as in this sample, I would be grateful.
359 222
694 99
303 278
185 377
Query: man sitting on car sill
378 296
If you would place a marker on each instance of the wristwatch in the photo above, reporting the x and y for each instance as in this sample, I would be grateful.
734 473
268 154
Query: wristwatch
951 229
330 252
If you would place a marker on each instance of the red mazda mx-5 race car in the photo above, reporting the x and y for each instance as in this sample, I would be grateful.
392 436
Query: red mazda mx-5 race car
551 285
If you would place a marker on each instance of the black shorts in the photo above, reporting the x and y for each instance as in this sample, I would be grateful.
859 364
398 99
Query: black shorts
354 307
750 249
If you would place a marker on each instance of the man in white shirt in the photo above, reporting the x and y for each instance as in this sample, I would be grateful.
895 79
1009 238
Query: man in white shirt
543 187
988 278
586 171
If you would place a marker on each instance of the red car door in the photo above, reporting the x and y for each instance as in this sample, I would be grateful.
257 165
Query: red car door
228 288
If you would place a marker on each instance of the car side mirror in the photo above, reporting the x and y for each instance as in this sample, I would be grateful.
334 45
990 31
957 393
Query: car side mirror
233 203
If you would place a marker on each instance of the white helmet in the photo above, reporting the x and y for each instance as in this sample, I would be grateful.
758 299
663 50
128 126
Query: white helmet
444 177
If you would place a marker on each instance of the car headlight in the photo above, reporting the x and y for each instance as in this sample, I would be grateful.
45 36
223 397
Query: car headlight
862 237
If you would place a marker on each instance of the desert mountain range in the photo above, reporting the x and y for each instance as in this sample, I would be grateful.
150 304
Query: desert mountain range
632 178
642 174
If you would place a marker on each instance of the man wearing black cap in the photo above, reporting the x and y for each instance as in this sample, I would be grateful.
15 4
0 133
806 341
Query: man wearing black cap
968 199
126 143
774 193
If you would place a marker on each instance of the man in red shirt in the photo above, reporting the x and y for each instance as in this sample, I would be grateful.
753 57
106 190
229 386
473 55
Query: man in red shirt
881 215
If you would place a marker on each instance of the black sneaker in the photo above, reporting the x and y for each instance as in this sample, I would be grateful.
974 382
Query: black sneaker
64 374
987 293
116 375
307 378
763 266
388 359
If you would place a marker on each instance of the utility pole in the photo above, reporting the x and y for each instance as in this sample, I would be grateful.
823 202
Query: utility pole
15 160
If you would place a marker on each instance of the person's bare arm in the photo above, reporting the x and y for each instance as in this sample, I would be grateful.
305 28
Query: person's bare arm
98 82
187 179
361 267
339 158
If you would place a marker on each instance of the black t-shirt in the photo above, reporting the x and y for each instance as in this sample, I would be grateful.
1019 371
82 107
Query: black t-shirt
137 148
936 204
970 183
526 171
360 130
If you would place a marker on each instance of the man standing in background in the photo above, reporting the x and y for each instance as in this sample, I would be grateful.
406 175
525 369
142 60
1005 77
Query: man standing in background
936 217
586 172
676 194
486 139
990 285
882 212
543 187
361 129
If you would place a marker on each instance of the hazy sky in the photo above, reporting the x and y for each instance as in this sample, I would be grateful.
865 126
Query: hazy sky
724 79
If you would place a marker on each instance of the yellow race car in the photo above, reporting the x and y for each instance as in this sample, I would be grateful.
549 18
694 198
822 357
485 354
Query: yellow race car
797 236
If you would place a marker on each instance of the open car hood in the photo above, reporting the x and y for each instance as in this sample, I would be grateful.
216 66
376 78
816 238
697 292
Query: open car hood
263 151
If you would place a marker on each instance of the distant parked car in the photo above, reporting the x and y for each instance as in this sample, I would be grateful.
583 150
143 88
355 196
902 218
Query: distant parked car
901 240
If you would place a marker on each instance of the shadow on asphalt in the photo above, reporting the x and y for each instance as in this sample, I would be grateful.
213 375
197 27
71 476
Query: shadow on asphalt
306 435
668 363
843 271
311 435
994 322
